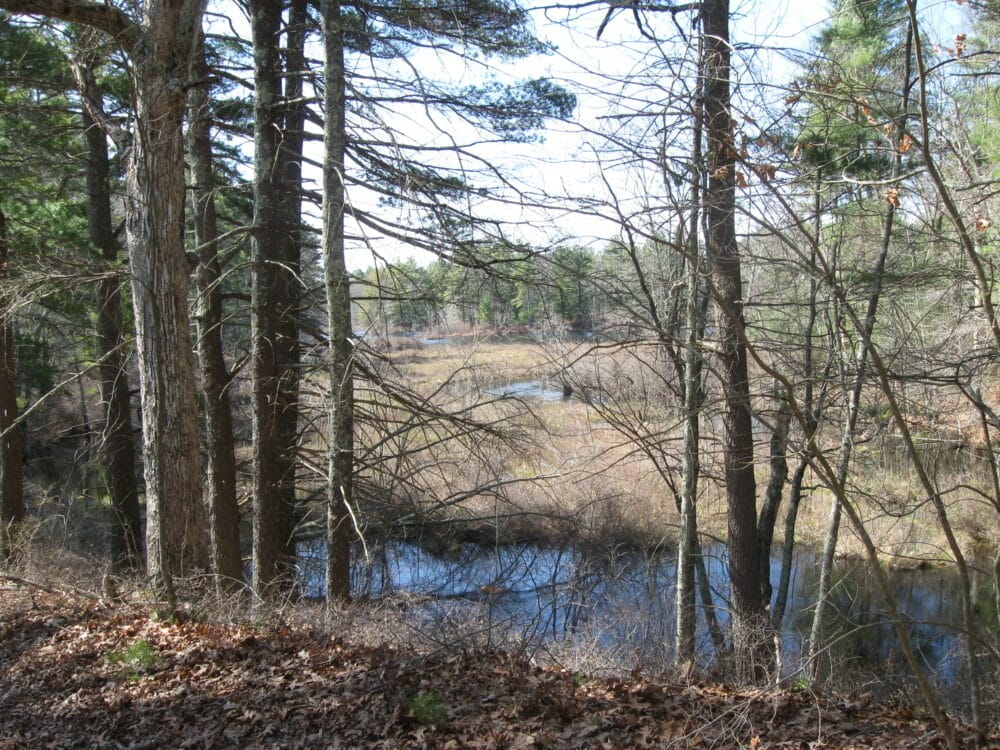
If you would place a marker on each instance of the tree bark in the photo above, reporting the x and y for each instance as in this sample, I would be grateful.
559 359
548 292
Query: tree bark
688 542
176 538
117 446
788 547
273 565
340 406
685 605
223 509
750 626
290 289
11 465
161 46
773 494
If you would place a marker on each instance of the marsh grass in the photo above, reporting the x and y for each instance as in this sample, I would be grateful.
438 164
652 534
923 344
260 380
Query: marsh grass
608 469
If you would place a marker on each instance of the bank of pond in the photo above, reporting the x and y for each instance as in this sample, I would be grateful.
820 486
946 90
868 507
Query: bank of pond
619 602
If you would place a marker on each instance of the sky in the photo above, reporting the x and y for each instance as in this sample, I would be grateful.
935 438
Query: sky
610 76
572 159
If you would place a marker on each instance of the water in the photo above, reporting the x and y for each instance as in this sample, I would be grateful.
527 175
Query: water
623 600
529 389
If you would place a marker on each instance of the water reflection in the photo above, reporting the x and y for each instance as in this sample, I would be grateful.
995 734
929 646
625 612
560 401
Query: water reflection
624 599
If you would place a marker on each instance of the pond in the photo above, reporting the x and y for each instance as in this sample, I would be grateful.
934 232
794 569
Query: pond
539 389
623 600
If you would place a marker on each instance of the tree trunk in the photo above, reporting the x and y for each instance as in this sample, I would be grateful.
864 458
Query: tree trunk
273 553
11 466
685 605
223 509
290 291
772 496
750 627
117 446
340 409
788 547
273 566
161 45
176 538
689 526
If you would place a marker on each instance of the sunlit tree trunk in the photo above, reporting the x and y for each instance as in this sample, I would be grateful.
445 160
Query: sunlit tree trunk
685 604
750 625
176 528
340 407
161 46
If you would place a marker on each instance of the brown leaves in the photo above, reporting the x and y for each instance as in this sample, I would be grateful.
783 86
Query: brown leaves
229 686
764 172
960 45
958 50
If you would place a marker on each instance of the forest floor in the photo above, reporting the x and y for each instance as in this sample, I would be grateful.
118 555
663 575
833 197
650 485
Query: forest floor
78 672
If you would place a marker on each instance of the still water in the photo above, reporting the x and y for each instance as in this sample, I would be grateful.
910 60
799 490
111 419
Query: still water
537 389
622 600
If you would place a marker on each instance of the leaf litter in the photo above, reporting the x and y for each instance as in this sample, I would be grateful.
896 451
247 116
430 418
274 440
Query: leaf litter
217 685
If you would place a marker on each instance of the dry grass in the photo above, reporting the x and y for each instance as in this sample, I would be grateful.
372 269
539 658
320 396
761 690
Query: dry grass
575 474
481 364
